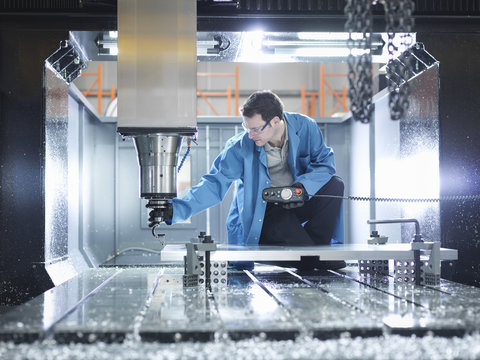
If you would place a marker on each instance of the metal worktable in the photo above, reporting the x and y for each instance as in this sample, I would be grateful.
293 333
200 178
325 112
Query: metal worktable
270 304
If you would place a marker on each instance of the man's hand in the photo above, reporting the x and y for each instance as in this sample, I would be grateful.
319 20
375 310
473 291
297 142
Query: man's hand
301 197
168 214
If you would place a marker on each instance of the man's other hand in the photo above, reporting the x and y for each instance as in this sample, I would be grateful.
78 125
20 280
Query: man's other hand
300 199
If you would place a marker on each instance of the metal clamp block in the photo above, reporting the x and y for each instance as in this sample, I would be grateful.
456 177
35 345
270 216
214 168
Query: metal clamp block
429 265
194 263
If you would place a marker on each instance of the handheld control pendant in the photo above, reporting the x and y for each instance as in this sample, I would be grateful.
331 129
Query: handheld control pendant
283 195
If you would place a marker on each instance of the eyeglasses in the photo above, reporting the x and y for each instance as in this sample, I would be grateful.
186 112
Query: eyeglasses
256 130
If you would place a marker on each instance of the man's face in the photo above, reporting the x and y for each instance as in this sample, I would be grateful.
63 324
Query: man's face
254 126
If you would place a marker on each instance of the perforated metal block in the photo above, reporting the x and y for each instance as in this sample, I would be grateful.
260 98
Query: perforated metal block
218 273
373 267
405 272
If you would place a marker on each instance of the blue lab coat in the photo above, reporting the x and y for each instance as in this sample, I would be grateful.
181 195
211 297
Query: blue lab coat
311 163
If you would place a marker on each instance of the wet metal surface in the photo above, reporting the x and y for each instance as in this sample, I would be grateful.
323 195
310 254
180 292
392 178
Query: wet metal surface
248 310
110 314
37 318
179 314
447 310
149 304
325 313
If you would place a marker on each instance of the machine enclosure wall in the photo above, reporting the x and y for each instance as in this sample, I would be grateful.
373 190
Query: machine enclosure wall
22 160
459 147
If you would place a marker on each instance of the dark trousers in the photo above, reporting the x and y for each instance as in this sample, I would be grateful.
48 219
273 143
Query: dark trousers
318 214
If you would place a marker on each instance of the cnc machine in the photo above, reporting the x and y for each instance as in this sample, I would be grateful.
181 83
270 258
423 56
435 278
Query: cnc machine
67 276
157 81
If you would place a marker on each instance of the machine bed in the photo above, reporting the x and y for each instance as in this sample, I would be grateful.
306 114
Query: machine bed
149 306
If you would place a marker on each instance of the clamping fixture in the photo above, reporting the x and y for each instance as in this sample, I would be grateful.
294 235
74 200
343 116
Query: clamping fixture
425 272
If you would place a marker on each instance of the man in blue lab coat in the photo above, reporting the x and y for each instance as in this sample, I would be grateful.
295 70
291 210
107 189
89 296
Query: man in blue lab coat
277 148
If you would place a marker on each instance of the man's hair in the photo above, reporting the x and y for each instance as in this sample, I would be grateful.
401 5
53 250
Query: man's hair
265 103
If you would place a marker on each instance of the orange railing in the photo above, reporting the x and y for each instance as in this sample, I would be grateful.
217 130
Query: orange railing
310 98
228 94
99 93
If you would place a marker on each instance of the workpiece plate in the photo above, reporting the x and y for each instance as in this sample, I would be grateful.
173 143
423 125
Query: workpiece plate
289 253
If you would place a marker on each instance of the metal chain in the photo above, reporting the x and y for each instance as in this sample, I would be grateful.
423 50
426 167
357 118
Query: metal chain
360 92
398 16
366 198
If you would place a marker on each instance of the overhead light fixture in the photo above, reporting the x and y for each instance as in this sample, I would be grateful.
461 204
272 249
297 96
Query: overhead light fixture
330 36
323 52
302 46
277 47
